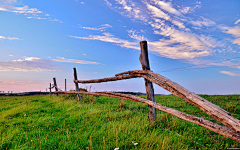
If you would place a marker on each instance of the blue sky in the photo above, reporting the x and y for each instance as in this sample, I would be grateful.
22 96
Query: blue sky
43 39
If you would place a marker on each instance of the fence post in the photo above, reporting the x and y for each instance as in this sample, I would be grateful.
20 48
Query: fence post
149 86
50 93
76 84
55 84
65 84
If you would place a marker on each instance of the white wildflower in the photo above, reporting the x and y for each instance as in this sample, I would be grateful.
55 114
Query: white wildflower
25 114
134 143
179 134
116 148
195 142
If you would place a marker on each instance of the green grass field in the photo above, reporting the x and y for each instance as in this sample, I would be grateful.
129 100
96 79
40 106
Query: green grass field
44 122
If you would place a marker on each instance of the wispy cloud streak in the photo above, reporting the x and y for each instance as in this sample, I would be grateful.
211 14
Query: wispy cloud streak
203 22
107 37
167 6
230 73
24 9
62 59
102 28
133 35
235 31
32 13
176 41
237 21
8 38
28 64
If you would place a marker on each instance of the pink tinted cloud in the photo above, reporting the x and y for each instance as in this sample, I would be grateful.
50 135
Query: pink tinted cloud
28 64
22 85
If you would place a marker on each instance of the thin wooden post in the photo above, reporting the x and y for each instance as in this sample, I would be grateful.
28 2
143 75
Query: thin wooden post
50 93
149 86
76 84
65 84
55 84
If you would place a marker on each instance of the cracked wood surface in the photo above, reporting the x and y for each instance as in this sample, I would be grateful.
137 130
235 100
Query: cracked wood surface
143 58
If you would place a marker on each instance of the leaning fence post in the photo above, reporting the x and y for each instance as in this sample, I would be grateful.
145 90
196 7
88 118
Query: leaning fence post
76 84
55 84
50 93
149 86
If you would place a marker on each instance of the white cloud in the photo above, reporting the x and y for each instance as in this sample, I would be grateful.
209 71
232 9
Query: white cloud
108 3
40 18
230 73
236 41
185 10
167 6
183 45
33 13
90 28
107 37
235 31
197 6
102 28
203 21
8 38
62 59
237 21
232 30
132 34
157 12
179 24
131 9
24 9
31 59
179 51
27 64
175 40
56 20
125 6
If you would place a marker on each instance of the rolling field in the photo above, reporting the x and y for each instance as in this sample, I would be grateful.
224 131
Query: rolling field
44 122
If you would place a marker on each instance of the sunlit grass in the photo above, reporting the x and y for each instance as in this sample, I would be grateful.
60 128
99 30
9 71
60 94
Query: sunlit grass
44 122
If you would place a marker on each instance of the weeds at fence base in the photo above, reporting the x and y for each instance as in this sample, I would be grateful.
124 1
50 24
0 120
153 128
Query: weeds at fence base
85 98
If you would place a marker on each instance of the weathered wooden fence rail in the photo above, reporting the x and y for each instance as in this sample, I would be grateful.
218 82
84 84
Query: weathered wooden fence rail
196 120
232 129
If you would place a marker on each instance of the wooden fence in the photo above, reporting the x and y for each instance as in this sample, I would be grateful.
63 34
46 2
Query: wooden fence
232 129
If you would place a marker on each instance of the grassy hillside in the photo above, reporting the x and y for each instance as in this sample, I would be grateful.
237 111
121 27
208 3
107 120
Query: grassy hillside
44 122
